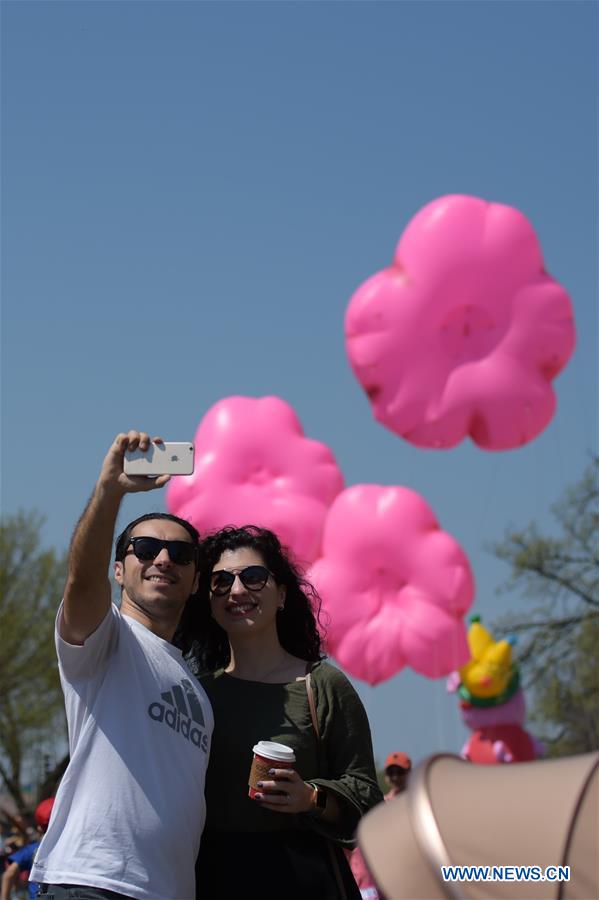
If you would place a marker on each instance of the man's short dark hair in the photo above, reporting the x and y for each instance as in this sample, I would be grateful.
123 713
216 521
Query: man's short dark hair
124 538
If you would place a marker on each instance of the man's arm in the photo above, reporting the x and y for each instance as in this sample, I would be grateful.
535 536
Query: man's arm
87 593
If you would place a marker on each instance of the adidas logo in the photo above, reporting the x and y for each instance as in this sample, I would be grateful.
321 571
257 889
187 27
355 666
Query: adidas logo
182 712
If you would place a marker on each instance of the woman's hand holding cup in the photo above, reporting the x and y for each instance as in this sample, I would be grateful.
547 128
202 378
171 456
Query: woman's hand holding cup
286 792
273 781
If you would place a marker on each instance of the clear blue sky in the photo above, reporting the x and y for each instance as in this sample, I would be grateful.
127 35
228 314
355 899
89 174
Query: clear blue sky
192 192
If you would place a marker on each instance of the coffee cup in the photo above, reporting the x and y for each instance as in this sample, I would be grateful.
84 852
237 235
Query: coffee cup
268 755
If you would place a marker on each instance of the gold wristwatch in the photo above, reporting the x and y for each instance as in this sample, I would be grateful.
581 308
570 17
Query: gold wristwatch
319 800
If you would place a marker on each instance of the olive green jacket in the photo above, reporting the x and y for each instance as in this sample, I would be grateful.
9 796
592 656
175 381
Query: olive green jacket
246 712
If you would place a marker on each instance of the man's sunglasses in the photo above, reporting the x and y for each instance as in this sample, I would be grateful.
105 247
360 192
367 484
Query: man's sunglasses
252 577
146 549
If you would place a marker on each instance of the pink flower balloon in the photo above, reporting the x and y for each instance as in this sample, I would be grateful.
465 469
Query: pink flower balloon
394 585
253 465
464 332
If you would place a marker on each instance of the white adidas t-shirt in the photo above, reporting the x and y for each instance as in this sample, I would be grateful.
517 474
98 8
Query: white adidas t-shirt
130 809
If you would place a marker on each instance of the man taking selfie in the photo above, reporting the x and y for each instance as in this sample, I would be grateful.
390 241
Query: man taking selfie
129 812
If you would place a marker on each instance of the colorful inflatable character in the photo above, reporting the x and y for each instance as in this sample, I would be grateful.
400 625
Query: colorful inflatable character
492 702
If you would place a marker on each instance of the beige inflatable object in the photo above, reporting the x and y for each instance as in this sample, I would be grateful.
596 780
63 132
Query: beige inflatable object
542 813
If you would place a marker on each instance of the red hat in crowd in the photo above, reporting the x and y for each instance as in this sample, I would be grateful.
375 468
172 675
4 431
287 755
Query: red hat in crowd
401 760
42 812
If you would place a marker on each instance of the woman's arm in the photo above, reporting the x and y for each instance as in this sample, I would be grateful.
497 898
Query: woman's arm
288 793
347 770
346 786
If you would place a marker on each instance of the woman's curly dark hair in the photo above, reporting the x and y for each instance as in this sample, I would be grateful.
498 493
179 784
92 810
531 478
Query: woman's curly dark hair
297 623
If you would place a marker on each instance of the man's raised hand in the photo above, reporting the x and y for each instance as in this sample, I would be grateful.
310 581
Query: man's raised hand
112 474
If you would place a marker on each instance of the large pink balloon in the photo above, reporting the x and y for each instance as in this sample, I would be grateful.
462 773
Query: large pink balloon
394 585
253 465
464 332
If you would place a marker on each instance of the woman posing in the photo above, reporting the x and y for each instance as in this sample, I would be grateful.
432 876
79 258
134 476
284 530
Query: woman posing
256 645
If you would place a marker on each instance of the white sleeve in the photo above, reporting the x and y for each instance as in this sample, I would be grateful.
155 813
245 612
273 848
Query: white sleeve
80 661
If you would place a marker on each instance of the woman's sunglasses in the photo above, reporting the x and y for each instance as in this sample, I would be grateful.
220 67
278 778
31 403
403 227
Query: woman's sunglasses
252 577
146 549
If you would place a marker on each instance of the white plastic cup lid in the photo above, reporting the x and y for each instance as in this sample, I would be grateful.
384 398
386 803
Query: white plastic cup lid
272 750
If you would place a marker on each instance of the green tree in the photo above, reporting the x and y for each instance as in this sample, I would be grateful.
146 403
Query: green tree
558 635
31 585
567 702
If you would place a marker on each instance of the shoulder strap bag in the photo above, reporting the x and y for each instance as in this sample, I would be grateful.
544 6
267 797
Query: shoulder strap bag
331 849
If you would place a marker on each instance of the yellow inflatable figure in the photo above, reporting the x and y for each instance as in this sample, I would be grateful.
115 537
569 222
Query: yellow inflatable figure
490 677
492 702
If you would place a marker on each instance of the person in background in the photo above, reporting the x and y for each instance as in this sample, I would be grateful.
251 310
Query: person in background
397 768
21 860
258 641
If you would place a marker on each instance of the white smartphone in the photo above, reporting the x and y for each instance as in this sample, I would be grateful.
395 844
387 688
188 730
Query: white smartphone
170 458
